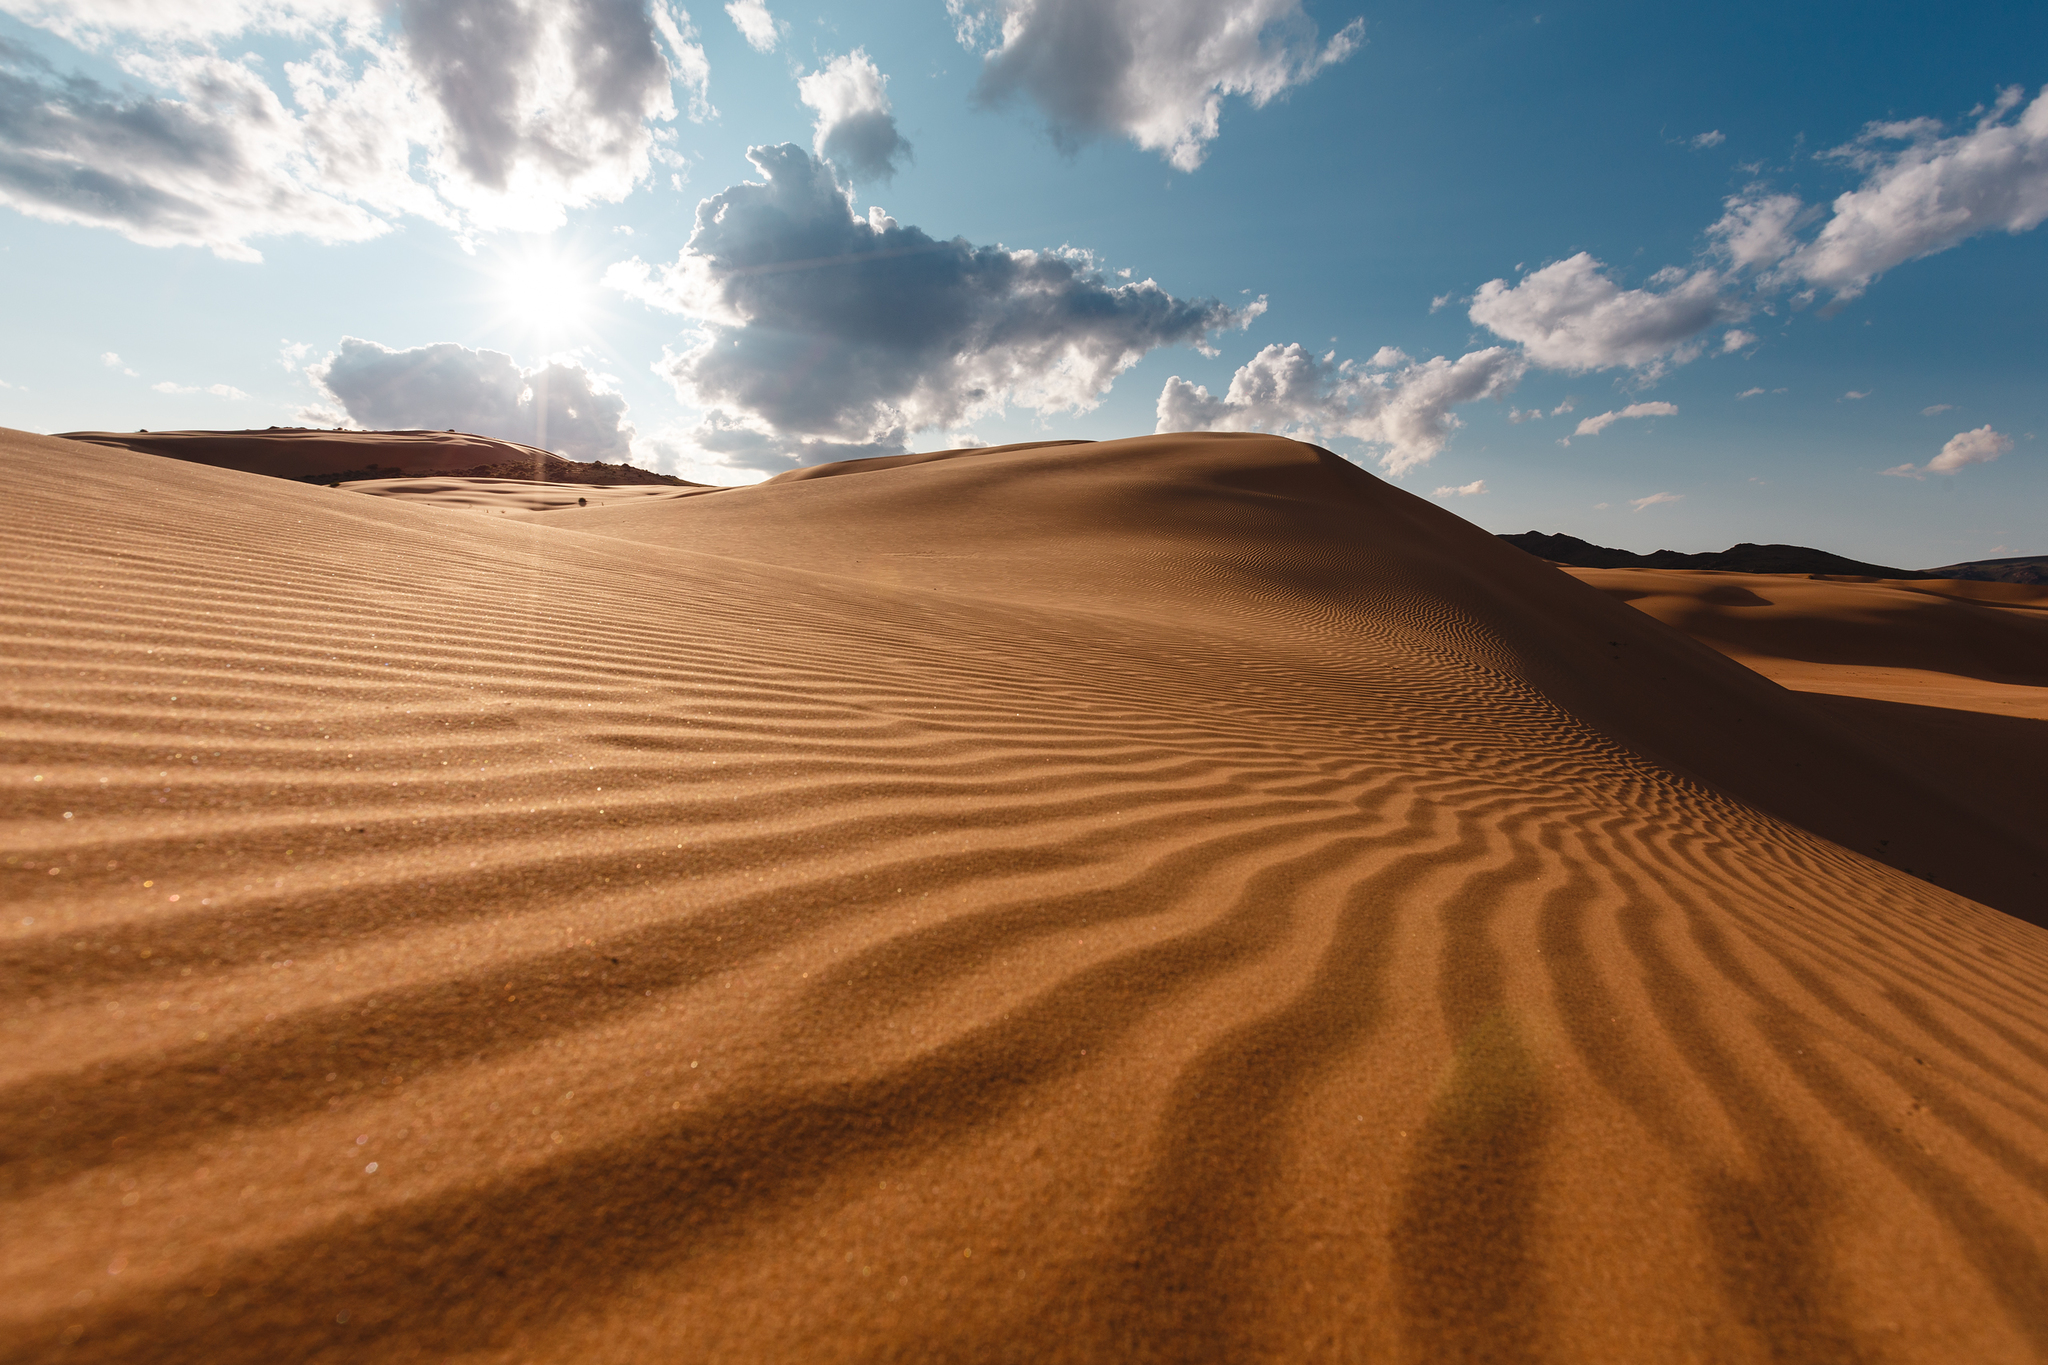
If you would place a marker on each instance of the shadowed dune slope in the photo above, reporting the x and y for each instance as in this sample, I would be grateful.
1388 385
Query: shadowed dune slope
1176 899
1948 678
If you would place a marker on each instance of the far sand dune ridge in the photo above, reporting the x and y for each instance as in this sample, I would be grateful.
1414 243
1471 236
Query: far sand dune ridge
1176 899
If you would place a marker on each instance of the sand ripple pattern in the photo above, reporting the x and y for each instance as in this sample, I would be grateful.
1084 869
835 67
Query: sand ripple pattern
438 937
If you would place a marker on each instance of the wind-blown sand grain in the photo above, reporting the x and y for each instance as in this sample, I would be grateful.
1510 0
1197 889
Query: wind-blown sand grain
1174 899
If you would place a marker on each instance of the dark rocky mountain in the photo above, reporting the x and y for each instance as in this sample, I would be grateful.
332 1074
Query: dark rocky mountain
2020 569
1743 558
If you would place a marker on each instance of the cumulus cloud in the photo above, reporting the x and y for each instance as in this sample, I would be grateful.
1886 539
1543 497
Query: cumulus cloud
1155 71
1570 316
1463 490
756 24
1755 228
1923 190
1655 499
559 406
1931 193
1922 193
854 126
818 324
477 114
114 362
1404 414
1593 426
1980 446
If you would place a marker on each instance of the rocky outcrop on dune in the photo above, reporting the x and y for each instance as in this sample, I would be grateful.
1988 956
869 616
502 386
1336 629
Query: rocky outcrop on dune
1179 899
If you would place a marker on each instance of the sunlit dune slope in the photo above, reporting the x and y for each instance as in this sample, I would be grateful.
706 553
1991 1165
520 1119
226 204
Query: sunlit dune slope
1177 899
513 495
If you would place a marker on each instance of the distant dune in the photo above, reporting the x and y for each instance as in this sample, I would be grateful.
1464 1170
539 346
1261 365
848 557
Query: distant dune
297 453
1178 899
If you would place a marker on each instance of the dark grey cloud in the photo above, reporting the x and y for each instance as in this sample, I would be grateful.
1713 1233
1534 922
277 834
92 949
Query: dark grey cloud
819 324
558 406
1155 71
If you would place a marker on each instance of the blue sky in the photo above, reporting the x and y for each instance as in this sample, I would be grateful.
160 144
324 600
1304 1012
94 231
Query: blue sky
1410 229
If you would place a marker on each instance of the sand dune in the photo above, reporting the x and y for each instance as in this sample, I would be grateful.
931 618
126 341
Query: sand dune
512 495
1950 677
1175 899
368 456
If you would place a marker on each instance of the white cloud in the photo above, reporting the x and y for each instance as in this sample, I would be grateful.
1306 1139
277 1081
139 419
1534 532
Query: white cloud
854 125
1855 395
1937 409
756 24
1655 499
1756 227
559 406
1593 426
816 324
1931 193
1463 490
113 362
1571 316
1568 405
1980 446
1922 193
217 390
1405 414
1439 303
1713 138
1734 339
1904 471
1155 71
1520 415
1749 393
477 114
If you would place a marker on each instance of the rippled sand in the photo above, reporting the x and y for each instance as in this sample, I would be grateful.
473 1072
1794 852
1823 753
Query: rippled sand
1174 899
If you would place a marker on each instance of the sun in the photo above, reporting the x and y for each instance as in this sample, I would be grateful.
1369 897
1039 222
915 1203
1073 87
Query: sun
544 291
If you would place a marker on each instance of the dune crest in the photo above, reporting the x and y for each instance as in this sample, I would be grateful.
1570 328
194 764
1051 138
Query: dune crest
1174 899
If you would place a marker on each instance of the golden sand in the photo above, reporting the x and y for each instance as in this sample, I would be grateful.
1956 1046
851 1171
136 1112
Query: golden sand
1175 899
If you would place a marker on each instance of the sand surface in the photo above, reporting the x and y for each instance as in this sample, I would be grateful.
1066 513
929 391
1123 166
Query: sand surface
1950 677
1176 899
512 495
296 454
